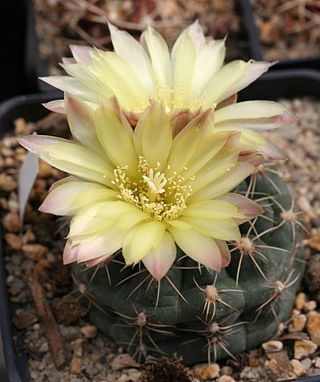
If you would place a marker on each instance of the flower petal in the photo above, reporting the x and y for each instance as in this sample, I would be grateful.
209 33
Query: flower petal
183 61
225 183
105 245
101 215
226 229
142 239
199 247
160 259
208 62
195 31
153 135
69 157
215 209
224 161
69 255
81 122
160 58
121 80
247 207
207 148
257 115
69 197
74 87
82 54
57 106
226 255
115 139
221 84
129 49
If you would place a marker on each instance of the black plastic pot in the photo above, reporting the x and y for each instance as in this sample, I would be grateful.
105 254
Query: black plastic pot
12 42
275 85
13 365
311 62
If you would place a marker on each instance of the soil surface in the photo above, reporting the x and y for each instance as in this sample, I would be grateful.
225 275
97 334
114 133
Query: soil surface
60 23
50 321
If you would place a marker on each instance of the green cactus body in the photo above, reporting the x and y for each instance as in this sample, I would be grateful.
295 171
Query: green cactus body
199 314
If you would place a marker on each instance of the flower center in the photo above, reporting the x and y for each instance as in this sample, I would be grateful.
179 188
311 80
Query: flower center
163 195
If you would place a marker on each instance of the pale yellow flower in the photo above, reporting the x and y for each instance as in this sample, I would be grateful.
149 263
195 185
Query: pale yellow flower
192 77
145 190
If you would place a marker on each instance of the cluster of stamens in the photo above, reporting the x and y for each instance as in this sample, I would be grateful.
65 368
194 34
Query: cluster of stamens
161 194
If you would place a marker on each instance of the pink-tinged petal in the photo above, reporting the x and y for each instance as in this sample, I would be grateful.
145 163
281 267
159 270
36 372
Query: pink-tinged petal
229 101
179 119
256 115
82 54
226 255
196 33
69 197
246 206
35 143
263 124
198 247
82 125
69 253
270 150
160 259
253 158
59 182
104 245
103 259
70 157
56 106
68 61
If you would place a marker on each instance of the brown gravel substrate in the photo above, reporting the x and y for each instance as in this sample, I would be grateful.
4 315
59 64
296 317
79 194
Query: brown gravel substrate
64 347
288 28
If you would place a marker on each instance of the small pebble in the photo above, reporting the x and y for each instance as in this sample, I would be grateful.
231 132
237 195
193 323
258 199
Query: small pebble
301 299
307 363
226 370
11 222
313 326
89 331
298 323
123 361
206 371
298 368
34 251
13 241
309 306
272 346
317 362
75 365
226 378
303 348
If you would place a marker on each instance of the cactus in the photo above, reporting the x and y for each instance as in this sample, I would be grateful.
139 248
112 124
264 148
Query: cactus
218 314
158 144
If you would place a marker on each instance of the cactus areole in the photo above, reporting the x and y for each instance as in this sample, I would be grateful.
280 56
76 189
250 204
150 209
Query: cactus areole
183 238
